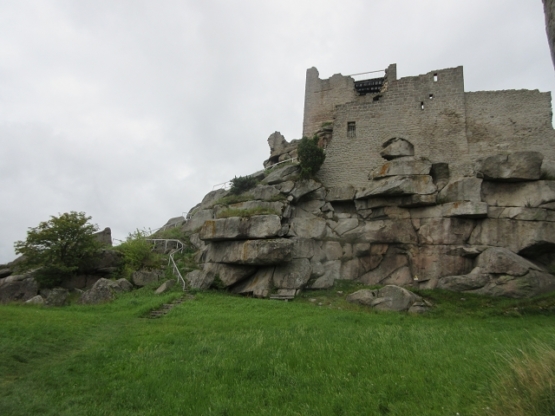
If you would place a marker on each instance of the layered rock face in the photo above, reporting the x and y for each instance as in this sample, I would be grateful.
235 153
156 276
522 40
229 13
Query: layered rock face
414 225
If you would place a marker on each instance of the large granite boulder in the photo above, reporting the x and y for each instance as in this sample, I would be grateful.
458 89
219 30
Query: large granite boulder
258 285
388 298
465 189
281 174
240 228
18 288
525 194
200 279
404 166
397 147
251 252
198 217
103 290
399 186
513 167
145 277
292 275
500 272
229 274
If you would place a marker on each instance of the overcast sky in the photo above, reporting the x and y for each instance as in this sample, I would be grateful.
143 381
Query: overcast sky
132 110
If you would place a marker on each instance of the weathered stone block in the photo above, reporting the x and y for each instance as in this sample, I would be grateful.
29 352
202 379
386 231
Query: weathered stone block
197 219
200 279
258 284
526 194
331 273
397 147
466 189
341 193
251 252
383 231
304 187
404 166
517 236
513 167
240 228
282 174
399 186
444 231
430 263
522 214
308 227
264 192
292 275
500 272
229 274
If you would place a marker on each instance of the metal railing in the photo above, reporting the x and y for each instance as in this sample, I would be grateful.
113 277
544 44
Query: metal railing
179 248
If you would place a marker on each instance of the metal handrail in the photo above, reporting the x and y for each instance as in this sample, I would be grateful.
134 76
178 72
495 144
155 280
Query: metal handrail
171 261
364 73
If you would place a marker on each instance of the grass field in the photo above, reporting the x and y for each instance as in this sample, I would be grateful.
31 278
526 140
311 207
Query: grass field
226 355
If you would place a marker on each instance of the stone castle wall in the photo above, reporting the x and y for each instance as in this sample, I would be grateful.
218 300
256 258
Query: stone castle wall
511 120
432 111
430 114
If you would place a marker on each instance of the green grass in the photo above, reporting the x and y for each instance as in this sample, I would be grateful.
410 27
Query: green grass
227 355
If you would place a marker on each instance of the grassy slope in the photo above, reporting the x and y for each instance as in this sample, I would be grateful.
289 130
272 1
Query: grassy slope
224 355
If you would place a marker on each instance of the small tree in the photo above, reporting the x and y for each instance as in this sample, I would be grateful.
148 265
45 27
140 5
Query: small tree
310 156
59 247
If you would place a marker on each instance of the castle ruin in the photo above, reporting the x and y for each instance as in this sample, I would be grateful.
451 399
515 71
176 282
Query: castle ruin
431 111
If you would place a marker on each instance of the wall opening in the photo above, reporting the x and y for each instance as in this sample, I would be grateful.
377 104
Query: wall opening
435 77
422 105
431 96
351 129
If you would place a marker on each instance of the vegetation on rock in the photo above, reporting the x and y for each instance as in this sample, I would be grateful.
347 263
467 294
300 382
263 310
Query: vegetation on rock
138 254
242 184
59 248
310 157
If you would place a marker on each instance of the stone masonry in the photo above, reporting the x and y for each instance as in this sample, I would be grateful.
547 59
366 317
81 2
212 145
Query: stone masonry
432 111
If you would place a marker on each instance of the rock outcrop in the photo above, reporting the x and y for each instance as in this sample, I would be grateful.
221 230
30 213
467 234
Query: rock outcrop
487 229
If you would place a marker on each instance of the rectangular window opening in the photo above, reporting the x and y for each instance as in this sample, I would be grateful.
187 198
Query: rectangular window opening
351 129
435 77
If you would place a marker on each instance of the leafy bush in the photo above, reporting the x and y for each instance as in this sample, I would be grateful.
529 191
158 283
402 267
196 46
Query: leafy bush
174 233
59 247
242 184
310 157
137 253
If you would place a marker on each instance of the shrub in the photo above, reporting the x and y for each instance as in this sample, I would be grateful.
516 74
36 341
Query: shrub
137 253
310 157
527 388
59 247
242 184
